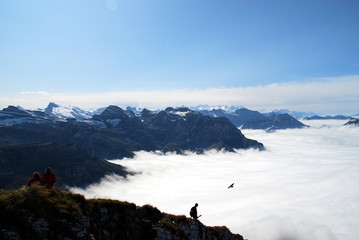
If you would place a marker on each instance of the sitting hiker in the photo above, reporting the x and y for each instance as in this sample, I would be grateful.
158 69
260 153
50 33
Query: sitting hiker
35 180
48 178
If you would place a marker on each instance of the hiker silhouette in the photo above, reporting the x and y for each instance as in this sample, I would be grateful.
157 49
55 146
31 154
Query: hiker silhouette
193 212
48 178
34 180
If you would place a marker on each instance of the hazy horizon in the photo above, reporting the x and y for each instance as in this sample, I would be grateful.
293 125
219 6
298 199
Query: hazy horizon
304 186
323 96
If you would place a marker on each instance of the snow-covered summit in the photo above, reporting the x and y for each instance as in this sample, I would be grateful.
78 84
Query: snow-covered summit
63 113
226 108
17 115
296 114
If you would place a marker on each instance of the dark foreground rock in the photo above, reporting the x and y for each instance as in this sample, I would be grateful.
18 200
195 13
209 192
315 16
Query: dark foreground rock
41 213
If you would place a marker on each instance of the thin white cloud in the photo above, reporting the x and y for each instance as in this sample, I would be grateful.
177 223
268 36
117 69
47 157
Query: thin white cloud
34 93
331 95
303 187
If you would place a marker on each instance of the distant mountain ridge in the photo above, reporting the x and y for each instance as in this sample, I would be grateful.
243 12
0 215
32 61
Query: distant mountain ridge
336 117
239 116
169 130
63 112
248 119
67 111
58 112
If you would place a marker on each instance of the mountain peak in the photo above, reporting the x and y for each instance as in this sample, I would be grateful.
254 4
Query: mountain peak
60 112
111 112
15 111
50 107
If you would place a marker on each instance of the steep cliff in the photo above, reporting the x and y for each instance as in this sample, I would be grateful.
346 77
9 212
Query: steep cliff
49 213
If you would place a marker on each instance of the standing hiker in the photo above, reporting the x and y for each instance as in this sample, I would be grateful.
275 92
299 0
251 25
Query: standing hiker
48 178
193 212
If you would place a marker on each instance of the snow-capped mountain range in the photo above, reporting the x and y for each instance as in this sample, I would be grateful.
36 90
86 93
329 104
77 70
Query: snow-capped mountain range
64 112
238 115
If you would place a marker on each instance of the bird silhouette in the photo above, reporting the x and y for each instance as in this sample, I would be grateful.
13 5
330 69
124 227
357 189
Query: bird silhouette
230 186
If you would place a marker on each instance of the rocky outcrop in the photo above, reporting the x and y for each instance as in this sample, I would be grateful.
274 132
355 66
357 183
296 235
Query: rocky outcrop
352 123
49 213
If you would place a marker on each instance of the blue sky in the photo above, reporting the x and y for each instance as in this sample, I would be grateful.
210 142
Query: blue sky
85 53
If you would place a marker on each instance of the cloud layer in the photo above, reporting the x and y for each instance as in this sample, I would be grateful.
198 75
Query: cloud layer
329 96
303 187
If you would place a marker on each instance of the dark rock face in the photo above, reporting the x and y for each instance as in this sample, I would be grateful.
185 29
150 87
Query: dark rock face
248 119
111 112
50 107
336 117
282 121
73 165
48 213
353 123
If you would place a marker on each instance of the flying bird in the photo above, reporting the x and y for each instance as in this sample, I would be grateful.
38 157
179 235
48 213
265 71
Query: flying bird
230 186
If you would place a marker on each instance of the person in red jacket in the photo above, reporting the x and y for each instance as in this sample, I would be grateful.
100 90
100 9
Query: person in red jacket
48 178
35 180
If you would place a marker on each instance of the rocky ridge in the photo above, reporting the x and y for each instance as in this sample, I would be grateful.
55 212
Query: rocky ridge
48 213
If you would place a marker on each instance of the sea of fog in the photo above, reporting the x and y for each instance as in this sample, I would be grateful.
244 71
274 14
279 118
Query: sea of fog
304 186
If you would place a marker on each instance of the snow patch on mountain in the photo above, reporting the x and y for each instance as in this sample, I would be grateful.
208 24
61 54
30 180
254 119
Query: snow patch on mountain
295 114
62 112
227 108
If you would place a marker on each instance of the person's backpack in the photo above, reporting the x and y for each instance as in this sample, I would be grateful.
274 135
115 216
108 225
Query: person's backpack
192 212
